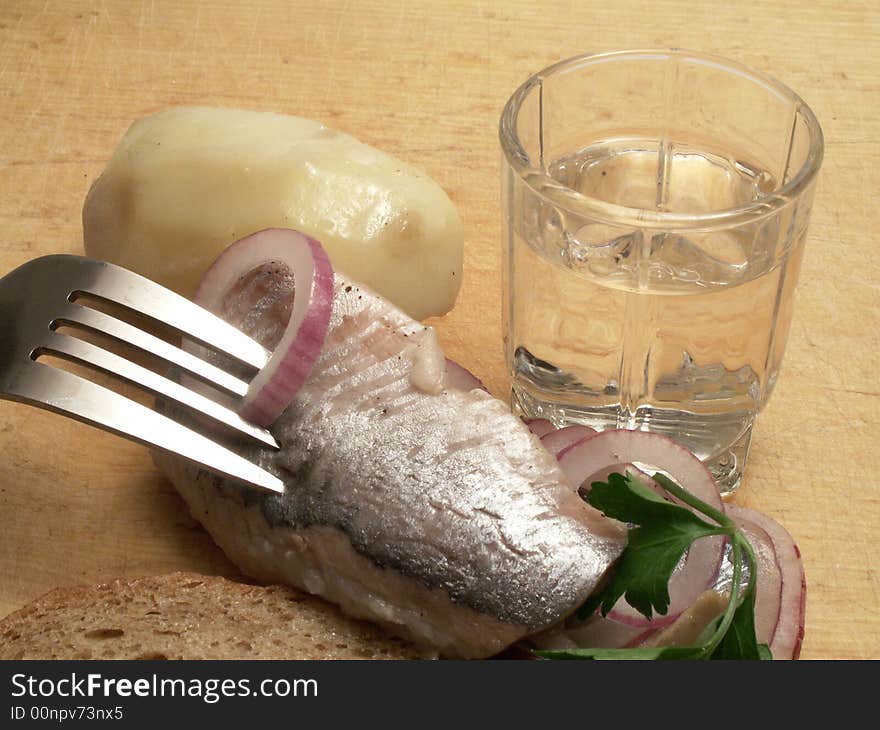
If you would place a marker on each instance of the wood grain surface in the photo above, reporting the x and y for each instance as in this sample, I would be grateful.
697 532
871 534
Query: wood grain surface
426 81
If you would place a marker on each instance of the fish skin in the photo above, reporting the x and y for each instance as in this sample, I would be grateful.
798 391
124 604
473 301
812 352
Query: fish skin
449 491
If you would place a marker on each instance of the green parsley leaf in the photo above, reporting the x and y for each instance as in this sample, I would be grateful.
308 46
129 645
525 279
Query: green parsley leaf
736 643
740 641
664 533
661 532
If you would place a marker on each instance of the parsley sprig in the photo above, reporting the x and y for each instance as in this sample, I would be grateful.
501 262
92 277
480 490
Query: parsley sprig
660 534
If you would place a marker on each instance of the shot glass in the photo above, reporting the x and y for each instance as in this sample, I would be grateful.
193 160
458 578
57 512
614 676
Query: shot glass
655 209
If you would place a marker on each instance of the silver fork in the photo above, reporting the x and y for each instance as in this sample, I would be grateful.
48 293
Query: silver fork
42 295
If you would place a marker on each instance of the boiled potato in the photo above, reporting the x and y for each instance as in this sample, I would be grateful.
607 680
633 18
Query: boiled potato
185 183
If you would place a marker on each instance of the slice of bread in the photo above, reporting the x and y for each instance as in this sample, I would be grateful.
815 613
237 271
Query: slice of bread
190 616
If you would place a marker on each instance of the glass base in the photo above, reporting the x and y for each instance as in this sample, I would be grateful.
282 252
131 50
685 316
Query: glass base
727 464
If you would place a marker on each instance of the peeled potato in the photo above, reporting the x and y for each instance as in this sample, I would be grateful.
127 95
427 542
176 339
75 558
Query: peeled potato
185 183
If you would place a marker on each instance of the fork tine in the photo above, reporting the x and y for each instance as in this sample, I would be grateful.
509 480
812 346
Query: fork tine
63 392
146 297
71 348
92 319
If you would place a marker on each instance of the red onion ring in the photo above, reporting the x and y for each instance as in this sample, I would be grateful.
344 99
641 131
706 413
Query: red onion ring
620 446
768 591
595 456
460 378
788 633
539 426
275 385
559 440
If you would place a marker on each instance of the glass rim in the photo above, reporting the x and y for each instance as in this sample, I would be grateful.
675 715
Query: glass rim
585 205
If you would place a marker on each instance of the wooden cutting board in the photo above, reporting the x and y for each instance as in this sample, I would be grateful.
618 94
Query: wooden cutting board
426 81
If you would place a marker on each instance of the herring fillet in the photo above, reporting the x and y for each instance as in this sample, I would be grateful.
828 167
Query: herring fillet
429 509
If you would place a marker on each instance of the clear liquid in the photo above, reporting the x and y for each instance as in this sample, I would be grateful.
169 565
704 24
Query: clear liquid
620 327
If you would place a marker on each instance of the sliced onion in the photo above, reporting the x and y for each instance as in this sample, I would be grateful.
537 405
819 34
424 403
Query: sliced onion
539 426
559 440
789 630
594 457
461 378
587 457
275 385
768 596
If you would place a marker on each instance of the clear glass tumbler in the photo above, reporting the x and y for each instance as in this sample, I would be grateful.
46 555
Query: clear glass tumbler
655 209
